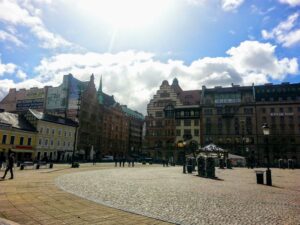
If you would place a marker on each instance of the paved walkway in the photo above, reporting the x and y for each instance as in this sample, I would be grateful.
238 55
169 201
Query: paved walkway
33 198
167 194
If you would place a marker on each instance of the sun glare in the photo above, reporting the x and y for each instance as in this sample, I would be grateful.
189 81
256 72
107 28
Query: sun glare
127 13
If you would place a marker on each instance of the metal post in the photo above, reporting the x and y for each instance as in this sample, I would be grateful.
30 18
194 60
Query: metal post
268 172
184 160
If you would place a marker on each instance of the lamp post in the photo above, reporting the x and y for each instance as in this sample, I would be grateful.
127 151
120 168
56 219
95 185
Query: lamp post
184 159
266 132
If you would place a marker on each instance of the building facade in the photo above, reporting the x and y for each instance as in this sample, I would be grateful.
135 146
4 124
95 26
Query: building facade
103 125
17 135
55 136
279 107
136 122
24 99
173 117
230 117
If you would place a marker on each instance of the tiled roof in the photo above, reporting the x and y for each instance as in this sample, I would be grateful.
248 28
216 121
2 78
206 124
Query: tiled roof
16 121
52 118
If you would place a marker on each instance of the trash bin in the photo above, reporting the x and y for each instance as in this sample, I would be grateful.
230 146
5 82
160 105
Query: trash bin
259 177
201 167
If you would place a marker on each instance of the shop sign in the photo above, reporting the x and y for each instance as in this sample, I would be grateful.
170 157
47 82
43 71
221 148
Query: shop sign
282 114
23 147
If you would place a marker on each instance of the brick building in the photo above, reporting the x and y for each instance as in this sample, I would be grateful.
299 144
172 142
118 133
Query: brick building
230 117
103 124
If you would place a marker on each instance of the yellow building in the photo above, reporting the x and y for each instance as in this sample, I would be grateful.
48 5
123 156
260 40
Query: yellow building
55 137
18 135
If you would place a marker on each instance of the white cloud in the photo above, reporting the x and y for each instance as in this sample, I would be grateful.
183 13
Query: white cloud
230 5
7 68
292 3
5 36
133 77
21 75
284 33
25 14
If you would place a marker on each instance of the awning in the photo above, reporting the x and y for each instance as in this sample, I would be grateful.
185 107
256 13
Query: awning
23 150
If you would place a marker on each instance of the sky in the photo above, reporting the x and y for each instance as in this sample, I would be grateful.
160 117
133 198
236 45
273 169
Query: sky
136 44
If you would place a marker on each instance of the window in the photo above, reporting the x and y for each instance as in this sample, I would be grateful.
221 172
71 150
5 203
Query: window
197 113
187 122
21 140
65 133
208 120
58 143
281 110
29 141
178 133
53 131
178 122
12 140
40 141
263 110
187 113
158 114
272 110
51 142
46 142
41 130
196 132
47 130
70 134
273 119
187 131
196 122
4 137
69 144
208 111
219 111
248 110
290 109
59 132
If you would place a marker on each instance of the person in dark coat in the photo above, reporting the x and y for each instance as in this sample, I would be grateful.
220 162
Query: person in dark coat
10 165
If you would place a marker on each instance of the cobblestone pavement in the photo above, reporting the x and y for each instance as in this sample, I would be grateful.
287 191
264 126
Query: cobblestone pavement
167 194
33 198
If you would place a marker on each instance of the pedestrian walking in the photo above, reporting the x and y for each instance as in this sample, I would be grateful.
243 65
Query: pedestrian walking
116 160
120 161
124 160
10 165
132 162
2 161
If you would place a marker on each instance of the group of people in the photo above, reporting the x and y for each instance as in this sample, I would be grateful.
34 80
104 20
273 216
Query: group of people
9 165
122 160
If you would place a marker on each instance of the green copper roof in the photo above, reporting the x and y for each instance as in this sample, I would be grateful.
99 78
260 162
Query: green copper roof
132 113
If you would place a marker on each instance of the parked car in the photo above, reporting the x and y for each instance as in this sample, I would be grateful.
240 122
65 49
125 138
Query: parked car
107 158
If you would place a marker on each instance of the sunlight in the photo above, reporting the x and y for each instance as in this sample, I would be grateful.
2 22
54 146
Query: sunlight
125 14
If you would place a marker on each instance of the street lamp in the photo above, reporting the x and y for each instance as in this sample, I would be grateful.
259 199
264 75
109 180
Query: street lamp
182 144
184 159
266 132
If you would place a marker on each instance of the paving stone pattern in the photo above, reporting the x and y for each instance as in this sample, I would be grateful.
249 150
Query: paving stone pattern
167 194
33 198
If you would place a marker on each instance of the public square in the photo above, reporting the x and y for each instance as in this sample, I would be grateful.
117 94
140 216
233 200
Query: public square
148 194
